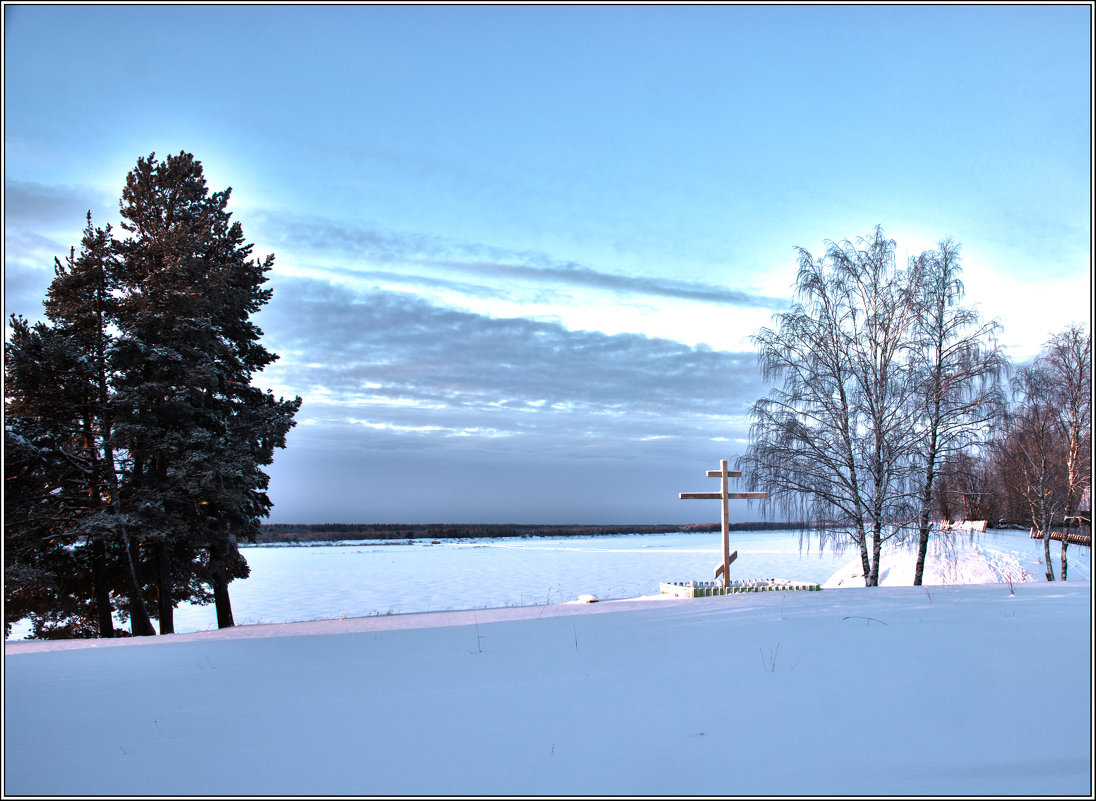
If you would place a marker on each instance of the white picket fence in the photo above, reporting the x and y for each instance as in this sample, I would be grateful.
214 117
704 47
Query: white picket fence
704 589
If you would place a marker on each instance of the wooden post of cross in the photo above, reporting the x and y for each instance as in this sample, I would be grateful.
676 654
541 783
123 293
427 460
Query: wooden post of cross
723 474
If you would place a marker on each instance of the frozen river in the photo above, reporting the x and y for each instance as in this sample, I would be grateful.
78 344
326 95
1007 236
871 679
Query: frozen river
353 579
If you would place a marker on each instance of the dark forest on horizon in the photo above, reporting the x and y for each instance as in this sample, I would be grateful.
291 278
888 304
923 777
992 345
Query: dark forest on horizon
305 532
275 533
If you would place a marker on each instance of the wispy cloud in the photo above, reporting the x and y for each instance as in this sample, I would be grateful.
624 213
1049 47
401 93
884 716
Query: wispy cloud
576 275
418 281
362 246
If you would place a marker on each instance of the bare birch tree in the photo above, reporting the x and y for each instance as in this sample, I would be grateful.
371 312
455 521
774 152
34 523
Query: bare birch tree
1044 455
1069 357
957 367
832 441
1068 360
1033 450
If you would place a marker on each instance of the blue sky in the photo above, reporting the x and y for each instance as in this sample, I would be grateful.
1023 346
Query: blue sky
520 250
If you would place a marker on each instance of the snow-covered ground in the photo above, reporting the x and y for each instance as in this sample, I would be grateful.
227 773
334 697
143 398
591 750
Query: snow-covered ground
958 687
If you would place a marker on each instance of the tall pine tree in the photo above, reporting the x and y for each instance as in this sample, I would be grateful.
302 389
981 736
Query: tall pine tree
58 404
154 334
197 431
82 305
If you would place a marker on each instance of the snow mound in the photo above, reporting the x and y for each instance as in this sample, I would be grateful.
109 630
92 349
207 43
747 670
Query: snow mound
951 559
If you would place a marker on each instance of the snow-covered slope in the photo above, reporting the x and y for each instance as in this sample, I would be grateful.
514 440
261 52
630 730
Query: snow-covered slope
891 690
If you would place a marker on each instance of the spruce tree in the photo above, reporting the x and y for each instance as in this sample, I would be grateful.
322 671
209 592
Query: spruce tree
46 577
58 396
197 432
58 566
134 440
82 305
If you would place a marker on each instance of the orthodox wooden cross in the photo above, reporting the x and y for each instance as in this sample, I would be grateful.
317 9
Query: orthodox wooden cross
723 474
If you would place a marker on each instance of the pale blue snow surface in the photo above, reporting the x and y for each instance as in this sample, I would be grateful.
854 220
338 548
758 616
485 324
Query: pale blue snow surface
947 690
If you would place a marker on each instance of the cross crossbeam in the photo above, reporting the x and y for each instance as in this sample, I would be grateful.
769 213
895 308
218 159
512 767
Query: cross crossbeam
716 496
723 495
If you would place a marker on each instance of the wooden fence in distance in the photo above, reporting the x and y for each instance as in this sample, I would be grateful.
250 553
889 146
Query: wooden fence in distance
1073 537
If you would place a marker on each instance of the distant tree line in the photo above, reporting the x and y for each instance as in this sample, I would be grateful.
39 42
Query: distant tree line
134 441
300 532
892 405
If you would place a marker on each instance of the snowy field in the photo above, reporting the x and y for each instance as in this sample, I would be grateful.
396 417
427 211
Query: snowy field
966 686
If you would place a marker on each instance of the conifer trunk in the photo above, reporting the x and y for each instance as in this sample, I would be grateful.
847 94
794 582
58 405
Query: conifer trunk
139 621
103 610
224 604
219 580
166 608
